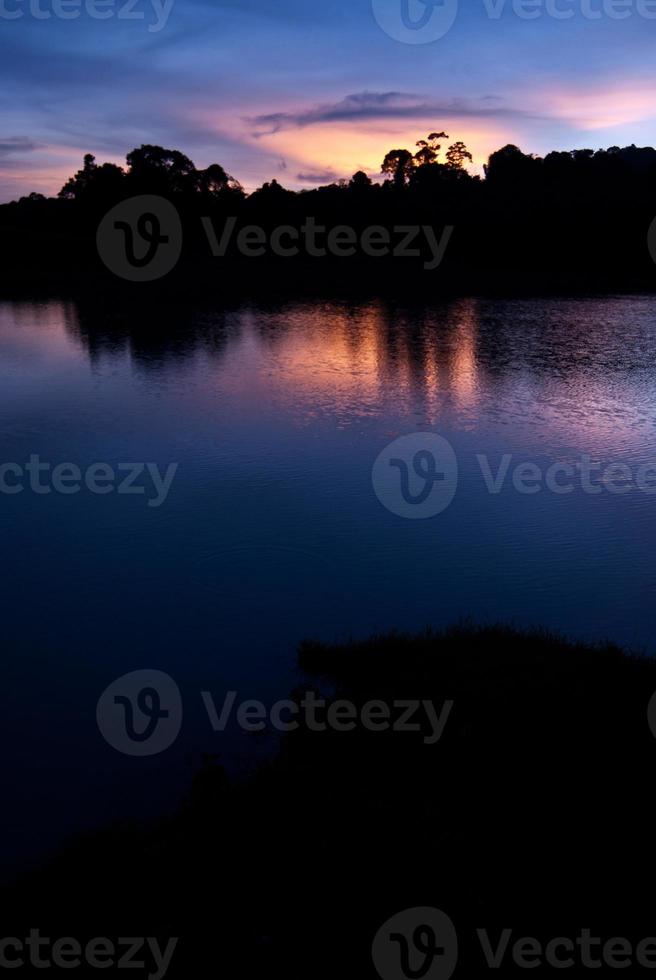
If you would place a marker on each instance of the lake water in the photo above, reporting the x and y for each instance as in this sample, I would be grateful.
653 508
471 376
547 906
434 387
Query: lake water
272 530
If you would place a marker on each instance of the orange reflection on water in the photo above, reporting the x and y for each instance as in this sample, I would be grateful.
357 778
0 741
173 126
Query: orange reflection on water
331 359
463 367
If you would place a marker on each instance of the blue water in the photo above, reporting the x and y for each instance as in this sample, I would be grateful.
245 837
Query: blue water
272 531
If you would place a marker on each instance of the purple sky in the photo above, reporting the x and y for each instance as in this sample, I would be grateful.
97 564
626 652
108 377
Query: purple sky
310 91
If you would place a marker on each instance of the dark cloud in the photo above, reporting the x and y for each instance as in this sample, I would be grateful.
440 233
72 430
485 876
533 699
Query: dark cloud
19 144
378 105
326 177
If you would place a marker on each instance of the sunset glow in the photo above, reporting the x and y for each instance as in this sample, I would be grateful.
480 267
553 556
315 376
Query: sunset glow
327 91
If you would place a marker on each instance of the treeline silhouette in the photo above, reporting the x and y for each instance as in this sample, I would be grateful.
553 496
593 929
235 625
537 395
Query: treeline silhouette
574 220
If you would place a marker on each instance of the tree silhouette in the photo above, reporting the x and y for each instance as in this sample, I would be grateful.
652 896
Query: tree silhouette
509 223
214 181
360 181
398 164
93 181
429 148
160 170
456 156
509 165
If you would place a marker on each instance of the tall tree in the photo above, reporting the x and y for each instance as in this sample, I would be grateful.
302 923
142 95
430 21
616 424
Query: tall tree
214 181
398 164
158 170
429 149
456 156
93 181
360 181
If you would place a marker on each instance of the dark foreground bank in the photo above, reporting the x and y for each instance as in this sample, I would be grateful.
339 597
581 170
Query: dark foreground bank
530 808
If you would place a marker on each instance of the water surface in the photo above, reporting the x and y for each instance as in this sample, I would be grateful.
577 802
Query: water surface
272 531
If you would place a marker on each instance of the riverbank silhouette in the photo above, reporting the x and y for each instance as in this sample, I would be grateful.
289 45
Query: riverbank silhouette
532 811
569 222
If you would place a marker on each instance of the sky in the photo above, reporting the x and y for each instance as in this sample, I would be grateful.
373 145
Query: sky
309 92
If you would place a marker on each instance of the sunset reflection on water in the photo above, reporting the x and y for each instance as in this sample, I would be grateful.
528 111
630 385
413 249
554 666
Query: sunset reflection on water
272 531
